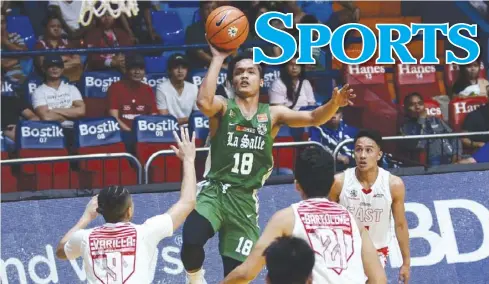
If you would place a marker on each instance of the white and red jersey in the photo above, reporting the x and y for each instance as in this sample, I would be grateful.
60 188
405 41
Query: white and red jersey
370 206
333 234
120 253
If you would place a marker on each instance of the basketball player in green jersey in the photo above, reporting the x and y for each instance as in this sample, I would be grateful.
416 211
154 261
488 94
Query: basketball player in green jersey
242 132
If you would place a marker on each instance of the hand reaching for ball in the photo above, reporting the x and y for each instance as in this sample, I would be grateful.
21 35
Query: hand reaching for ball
217 53
343 96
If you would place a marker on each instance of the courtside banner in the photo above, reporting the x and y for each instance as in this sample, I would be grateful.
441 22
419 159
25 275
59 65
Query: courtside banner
40 135
196 76
199 123
155 128
96 132
447 215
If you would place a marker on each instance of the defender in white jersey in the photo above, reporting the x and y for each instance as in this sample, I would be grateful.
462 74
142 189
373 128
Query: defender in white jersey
374 196
343 251
120 251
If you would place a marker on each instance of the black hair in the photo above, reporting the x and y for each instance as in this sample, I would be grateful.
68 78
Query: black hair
289 260
369 133
408 98
287 80
314 171
50 16
238 58
113 203
463 80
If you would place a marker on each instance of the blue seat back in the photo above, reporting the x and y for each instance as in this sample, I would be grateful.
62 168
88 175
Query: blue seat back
169 26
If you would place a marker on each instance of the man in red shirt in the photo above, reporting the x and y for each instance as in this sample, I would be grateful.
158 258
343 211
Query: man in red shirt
130 97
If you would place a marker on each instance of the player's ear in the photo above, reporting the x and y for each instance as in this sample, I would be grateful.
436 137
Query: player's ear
380 155
261 83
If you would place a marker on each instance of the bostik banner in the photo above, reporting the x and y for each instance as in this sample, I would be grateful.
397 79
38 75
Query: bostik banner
447 215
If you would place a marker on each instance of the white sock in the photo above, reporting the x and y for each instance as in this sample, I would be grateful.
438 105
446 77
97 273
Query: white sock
196 277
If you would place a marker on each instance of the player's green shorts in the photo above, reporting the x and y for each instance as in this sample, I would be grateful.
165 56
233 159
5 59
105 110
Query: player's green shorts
233 213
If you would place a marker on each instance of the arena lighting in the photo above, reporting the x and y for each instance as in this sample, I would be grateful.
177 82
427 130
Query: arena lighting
386 44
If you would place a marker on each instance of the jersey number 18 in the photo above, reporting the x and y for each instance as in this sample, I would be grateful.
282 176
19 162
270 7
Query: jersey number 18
243 163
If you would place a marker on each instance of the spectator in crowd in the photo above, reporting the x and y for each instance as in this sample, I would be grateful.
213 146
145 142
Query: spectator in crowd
68 12
130 97
140 27
476 121
56 100
11 67
195 34
13 109
106 35
292 89
439 151
480 156
176 96
53 39
468 82
332 133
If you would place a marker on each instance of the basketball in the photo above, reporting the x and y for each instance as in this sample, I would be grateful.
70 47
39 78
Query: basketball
226 28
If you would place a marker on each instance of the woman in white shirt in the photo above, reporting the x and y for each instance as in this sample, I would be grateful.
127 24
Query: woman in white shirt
292 89
469 82
176 96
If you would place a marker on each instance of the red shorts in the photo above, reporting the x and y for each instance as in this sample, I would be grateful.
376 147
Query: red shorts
383 253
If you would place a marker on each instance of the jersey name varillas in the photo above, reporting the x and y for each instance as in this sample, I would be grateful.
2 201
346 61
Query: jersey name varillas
245 142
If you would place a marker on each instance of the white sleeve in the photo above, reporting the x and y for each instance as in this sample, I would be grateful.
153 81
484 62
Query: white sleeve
158 228
160 98
75 94
278 93
38 99
309 92
73 248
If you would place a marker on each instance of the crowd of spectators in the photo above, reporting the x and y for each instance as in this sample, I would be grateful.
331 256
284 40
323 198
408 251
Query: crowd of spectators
57 99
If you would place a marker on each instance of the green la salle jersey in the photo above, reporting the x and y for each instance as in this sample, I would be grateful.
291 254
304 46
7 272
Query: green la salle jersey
241 149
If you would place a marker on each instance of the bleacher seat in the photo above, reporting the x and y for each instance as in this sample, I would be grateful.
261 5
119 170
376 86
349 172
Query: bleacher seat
22 26
100 136
169 26
284 157
155 64
9 180
459 108
433 108
416 78
371 78
93 87
154 133
43 139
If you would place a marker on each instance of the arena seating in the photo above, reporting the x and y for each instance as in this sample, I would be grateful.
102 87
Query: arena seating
416 78
154 133
43 139
9 180
452 70
98 136
460 107
284 157
169 26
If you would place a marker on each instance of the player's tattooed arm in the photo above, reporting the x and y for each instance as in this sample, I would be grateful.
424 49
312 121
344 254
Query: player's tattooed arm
280 224
398 192
334 194
340 98
74 249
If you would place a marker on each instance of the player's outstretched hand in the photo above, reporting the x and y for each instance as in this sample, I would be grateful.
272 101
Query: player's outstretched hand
186 147
91 209
343 97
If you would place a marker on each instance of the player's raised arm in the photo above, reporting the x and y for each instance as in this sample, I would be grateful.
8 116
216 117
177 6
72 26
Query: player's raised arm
208 103
278 226
70 245
186 153
398 192
340 98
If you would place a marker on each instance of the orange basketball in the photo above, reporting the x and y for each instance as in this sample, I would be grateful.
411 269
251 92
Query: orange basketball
227 28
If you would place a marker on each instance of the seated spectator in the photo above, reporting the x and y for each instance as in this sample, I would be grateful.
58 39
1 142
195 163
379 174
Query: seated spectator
292 89
333 132
14 108
106 35
69 13
130 97
195 34
140 27
52 39
439 151
468 82
11 67
176 96
476 121
480 156
54 99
